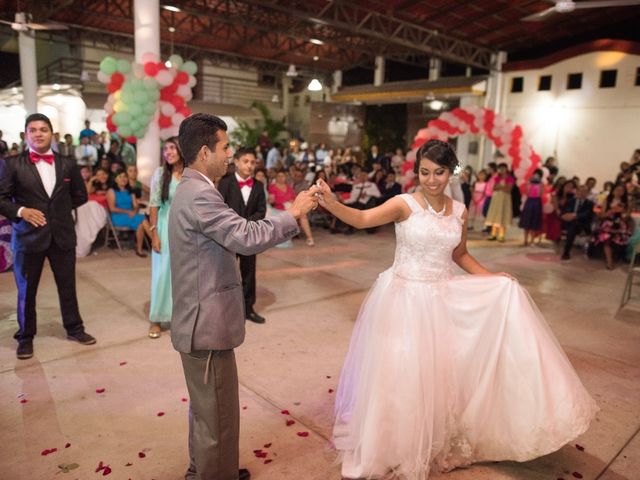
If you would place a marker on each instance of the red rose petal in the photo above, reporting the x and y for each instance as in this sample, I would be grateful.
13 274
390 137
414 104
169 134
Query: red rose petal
260 454
303 434
290 422
100 466
244 407
328 376
577 475
47 451
267 445
142 454
100 390
106 471
67 445
284 412
123 363
160 414
580 447
184 399
331 390
23 400
267 461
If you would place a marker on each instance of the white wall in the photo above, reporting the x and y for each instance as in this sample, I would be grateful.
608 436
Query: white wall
590 130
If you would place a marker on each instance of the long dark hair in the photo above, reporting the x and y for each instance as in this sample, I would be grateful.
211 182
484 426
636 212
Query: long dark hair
167 169
624 199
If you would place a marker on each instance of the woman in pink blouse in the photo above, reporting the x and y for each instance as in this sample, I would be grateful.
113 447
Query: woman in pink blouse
281 195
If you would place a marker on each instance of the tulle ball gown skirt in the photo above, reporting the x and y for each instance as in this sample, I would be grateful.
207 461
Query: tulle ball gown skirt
444 374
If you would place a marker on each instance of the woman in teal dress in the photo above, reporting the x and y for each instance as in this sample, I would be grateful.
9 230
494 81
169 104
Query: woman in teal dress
163 186
123 206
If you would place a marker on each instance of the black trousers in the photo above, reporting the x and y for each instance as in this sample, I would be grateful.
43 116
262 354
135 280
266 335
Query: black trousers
573 230
248 273
27 269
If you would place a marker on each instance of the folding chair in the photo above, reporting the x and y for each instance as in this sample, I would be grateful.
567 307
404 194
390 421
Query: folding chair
633 271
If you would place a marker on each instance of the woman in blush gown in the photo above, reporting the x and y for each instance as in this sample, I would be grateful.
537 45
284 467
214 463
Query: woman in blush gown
444 371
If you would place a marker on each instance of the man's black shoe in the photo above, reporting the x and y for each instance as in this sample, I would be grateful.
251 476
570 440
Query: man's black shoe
244 474
565 256
255 318
82 337
25 349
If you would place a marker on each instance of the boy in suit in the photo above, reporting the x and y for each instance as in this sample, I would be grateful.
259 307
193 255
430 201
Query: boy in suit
246 197
577 215
38 191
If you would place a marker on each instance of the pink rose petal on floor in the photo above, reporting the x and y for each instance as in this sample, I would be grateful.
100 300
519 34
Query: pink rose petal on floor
123 363
580 447
290 422
160 414
267 445
67 445
47 451
577 474
23 400
284 412
142 454
267 461
244 407
100 390
303 434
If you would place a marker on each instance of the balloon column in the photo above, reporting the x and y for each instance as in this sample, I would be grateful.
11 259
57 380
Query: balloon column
137 91
505 134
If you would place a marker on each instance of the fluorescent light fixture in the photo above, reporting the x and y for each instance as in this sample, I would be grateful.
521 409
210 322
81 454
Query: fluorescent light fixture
316 58
171 8
436 105
292 72
172 29
314 85
316 41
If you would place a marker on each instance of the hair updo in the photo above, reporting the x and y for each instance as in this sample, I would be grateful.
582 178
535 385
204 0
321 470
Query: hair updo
438 152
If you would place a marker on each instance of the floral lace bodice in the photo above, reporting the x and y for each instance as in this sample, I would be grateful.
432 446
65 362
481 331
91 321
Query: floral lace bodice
425 242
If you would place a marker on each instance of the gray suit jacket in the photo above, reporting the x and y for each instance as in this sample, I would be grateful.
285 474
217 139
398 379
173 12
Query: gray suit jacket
204 237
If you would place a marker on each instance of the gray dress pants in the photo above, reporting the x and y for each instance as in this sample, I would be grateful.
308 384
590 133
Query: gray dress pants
214 414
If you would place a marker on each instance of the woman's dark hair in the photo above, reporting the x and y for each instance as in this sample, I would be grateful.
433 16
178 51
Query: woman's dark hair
167 170
538 171
624 199
198 130
438 152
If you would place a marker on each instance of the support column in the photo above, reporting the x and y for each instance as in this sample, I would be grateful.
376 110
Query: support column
378 74
286 99
28 66
146 14
492 101
337 81
435 67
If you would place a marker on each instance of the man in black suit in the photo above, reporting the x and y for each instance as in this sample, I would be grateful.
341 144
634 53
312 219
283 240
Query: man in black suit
576 215
38 191
246 196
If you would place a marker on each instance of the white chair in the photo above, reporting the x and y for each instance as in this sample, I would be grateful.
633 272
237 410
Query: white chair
633 271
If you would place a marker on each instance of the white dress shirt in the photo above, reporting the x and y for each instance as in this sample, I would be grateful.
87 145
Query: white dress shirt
206 178
363 192
246 190
47 174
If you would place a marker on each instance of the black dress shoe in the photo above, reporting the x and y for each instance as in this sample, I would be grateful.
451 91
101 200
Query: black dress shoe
81 337
244 474
255 318
565 256
25 349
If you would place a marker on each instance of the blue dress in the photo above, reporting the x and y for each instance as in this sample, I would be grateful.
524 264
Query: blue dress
161 299
124 201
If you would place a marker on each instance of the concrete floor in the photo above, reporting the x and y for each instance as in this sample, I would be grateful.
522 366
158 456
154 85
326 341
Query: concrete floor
310 297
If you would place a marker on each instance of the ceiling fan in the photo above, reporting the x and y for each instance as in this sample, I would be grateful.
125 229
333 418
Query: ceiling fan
23 23
567 6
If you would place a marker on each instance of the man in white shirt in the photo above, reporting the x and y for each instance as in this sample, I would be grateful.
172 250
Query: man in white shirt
364 195
86 153
273 156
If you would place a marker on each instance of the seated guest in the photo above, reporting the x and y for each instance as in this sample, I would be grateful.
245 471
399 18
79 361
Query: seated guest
117 167
576 215
281 195
614 229
138 188
103 163
123 206
67 148
591 187
98 186
364 195
114 152
389 188
86 154
299 181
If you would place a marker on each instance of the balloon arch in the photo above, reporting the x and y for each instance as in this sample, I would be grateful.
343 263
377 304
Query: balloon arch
505 134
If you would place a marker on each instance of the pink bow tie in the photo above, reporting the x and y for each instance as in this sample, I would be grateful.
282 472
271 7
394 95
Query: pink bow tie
246 183
36 157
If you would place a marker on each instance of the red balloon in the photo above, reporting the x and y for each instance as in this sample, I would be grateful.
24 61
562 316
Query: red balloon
112 88
131 139
166 94
177 101
117 79
182 78
164 122
186 111
161 66
110 125
151 69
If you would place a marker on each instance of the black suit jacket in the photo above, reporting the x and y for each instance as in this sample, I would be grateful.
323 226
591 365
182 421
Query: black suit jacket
256 207
584 215
21 186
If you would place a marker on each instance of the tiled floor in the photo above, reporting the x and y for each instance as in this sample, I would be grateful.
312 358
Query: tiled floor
310 297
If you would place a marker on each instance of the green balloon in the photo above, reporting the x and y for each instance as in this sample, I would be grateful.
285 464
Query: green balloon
150 83
140 132
149 108
108 65
123 66
134 125
141 97
127 97
176 61
135 109
125 118
154 95
117 118
190 67
125 130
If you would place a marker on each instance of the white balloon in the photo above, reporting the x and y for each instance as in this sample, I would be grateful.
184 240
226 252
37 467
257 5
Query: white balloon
174 130
188 96
103 77
183 90
167 109
149 57
137 70
192 81
164 78
165 133
177 119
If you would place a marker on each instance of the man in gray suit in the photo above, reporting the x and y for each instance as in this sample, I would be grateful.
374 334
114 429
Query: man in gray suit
208 306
